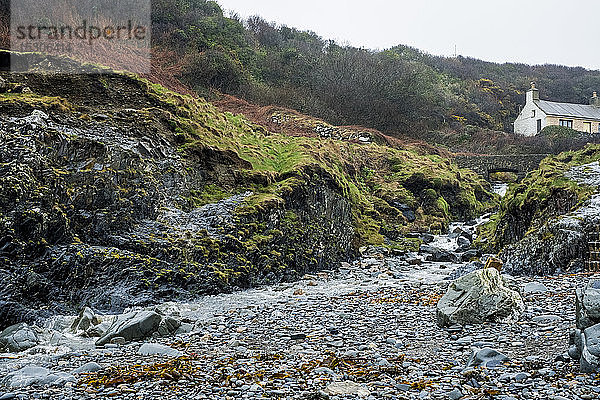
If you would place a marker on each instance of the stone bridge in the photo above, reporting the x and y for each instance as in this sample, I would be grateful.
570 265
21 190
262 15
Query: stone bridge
485 164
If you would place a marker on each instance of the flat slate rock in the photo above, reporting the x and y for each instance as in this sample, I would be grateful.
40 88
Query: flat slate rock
33 375
486 357
158 349
346 388
18 338
535 287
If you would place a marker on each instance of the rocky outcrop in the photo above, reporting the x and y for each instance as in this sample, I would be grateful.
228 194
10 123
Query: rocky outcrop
553 236
585 339
98 214
559 246
483 295
115 193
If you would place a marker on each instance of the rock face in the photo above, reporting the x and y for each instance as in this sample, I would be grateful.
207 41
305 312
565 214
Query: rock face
585 339
99 210
18 338
117 193
132 326
549 236
483 295
558 246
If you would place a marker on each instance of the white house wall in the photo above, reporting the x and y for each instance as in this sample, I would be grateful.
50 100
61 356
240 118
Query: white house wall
526 124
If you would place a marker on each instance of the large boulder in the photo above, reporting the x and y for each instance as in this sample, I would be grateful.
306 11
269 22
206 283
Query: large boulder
584 345
18 338
483 295
132 326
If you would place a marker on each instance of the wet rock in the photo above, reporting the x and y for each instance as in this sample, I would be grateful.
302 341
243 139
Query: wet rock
427 238
298 336
410 215
465 270
346 388
456 394
132 326
486 357
158 349
469 255
414 260
33 375
18 338
480 296
86 320
168 326
463 243
406 211
438 255
87 368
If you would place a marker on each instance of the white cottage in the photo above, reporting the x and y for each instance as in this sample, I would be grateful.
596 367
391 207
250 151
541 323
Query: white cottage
537 114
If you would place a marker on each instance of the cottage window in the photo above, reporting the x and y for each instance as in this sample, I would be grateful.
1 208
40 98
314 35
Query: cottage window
566 122
539 125
587 127
532 113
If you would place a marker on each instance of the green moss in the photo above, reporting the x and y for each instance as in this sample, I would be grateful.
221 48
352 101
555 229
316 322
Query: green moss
405 244
443 206
35 101
211 193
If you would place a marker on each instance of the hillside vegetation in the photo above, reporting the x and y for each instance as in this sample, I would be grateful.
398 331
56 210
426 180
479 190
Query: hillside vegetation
400 90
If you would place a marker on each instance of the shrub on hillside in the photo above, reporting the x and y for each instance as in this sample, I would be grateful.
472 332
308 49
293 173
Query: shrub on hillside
555 131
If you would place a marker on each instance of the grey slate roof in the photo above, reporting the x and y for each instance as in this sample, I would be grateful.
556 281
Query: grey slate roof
569 110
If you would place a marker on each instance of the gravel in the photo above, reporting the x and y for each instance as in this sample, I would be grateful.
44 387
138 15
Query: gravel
371 324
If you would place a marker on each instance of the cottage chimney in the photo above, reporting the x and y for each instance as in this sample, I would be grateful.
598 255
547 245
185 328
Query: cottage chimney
533 94
595 100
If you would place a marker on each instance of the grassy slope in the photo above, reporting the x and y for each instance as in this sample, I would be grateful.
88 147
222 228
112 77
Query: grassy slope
371 176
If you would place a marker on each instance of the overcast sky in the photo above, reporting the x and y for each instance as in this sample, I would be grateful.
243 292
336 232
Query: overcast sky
528 31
